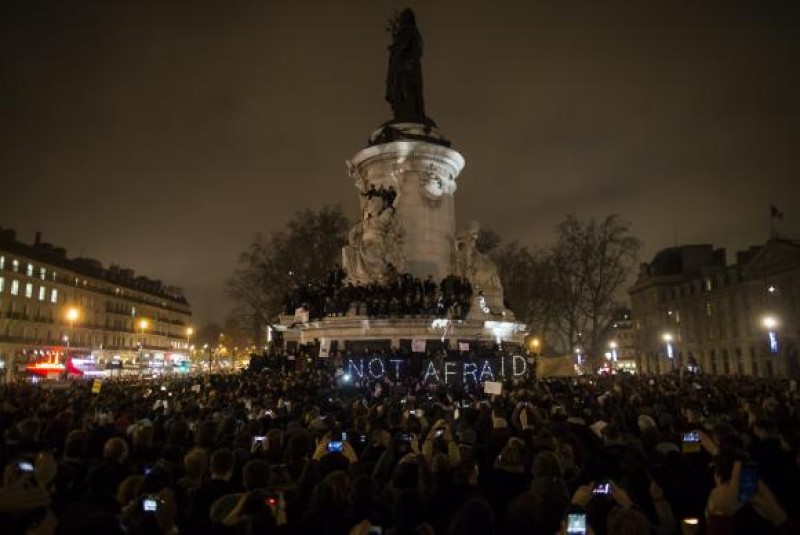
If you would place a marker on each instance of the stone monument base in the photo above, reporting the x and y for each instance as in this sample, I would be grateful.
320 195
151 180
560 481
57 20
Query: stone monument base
359 332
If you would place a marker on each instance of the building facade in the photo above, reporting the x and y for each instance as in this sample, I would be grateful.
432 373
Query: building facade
52 307
691 309
620 346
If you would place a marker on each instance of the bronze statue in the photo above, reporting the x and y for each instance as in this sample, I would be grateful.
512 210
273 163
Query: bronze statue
404 77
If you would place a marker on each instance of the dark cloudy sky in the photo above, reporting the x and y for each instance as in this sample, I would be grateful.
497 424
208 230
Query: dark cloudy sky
165 135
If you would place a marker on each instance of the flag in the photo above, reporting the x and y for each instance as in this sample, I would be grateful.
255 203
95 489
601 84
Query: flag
775 213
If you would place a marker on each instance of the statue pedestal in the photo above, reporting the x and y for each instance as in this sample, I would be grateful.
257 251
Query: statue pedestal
424 176
351 332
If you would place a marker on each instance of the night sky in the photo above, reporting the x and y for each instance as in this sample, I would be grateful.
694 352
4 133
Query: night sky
164 137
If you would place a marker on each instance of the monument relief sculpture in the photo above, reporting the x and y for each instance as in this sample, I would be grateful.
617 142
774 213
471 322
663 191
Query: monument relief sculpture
477 267
375 242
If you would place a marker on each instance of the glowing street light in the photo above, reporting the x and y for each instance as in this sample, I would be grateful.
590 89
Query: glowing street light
612 345
73 313
770 323
668 340
143 324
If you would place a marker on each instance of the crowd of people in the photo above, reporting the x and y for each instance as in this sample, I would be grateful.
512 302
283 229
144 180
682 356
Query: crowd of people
292 449
401 295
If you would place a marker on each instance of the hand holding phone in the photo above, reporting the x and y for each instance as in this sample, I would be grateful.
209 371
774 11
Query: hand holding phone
151 504
691 442
576 522
335 446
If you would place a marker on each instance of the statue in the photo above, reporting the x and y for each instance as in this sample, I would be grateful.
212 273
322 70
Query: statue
404 77
478 269
375 244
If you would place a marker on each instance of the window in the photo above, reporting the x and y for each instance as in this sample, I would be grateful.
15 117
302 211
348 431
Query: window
2 284
29 271
54 295
42 273
53 275
15 266
2 262
29 290
42 293
15 287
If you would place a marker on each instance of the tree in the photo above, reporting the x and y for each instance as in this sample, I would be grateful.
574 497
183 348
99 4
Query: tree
527 278
592 261
305 250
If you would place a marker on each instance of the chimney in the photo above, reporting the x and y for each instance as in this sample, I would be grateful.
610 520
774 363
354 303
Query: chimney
38 240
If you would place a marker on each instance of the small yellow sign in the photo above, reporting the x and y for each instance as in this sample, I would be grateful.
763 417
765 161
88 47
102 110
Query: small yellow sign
97 384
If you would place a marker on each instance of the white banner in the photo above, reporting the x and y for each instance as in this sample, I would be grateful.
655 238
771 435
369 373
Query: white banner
463 346
493 387
418 345
324 348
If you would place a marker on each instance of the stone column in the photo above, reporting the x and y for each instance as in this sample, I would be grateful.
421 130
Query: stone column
424 176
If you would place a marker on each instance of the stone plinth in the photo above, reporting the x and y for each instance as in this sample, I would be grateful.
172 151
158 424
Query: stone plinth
424 176
362 328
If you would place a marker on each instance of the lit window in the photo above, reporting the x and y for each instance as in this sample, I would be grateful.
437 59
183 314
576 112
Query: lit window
2 262
53 275
15 265
54 295
29 290
42 273
14 287
42 293
2 284
29 271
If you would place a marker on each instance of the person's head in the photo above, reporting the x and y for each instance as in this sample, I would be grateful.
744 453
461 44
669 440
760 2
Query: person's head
764 428
255 475
334 491
195 464
475 517
205 435
547 465
142 436
513 455
115 450
466 473
646 423
623 521
222 463
76 444
129 489
362 496
408 511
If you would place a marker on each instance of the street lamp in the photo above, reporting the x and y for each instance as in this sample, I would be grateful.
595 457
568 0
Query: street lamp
612 345
72 316
668 340
143 324
770 323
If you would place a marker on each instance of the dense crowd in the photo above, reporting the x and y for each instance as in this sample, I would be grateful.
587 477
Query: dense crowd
296 450
400 295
